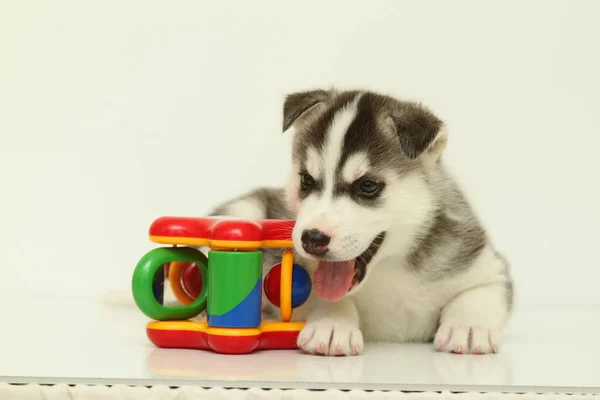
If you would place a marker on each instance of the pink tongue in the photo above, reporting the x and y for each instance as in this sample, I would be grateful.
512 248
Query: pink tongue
333 279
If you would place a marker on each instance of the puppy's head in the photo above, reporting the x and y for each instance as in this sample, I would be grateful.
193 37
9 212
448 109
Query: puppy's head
360 164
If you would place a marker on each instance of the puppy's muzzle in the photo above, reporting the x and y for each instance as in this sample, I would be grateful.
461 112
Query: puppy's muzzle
315 242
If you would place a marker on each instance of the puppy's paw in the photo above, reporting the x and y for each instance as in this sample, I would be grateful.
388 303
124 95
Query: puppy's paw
331 338
465 340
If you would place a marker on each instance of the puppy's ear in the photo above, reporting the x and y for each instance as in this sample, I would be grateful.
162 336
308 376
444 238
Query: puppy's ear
298 107
419 131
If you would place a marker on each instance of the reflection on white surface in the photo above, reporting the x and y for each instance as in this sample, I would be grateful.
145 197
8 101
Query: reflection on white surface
494 370
282 366
381 363
79 340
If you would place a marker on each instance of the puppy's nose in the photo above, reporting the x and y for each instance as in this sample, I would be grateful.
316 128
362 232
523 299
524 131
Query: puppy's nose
315 242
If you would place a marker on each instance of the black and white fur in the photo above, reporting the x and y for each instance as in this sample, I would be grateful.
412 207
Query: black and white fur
432 272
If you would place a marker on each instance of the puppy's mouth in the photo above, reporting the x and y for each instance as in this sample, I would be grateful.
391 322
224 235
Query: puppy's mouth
334 279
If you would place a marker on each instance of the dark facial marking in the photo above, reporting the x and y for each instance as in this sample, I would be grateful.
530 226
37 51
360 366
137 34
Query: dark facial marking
356 190
364 135
308 185
412 130
315 134
415 127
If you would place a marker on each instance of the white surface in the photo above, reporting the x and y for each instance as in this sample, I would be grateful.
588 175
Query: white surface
62 391
113 113
72 340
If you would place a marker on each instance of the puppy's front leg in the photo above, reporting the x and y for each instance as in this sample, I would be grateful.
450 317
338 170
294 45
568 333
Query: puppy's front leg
472 321
332 329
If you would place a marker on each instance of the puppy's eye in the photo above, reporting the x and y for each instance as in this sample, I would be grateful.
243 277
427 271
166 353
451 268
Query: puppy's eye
368 187
306 181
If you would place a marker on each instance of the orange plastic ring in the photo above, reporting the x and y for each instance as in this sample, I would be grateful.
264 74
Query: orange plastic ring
175 271
285 285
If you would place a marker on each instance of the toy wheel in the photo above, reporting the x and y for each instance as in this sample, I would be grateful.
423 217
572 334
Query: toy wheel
143 283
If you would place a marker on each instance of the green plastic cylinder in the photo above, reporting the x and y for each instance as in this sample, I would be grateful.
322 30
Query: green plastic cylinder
234 289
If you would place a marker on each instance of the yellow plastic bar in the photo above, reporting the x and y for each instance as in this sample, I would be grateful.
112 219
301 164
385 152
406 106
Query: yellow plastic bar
223 244
285 292
196 326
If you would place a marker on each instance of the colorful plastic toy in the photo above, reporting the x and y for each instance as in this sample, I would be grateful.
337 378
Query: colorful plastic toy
227 285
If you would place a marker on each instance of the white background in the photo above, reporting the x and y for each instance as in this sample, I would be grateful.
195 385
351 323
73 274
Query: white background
113 113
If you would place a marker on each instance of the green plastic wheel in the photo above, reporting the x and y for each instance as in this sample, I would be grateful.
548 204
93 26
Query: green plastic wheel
143 278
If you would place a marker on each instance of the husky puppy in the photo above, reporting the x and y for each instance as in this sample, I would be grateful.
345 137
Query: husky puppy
395 251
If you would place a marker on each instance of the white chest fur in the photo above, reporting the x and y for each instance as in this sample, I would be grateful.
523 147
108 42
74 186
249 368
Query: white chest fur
396 305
